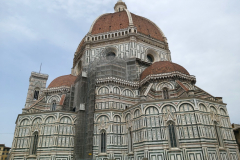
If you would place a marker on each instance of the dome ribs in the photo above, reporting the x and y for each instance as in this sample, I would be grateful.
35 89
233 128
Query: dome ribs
163 67
146 27
66 80
119 20
111 22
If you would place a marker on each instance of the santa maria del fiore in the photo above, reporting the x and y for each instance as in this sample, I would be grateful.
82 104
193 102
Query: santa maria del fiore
124 99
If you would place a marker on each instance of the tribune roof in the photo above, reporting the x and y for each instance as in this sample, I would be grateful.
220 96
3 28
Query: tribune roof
161 67
66 80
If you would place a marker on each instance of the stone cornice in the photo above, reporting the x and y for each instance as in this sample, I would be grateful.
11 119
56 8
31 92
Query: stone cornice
57 89
98 37
167 75
143 62
137 84
134 84
40 75
46 112
171 100
100 40
167 101
152 41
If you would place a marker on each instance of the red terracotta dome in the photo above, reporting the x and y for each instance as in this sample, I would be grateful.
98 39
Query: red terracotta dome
110 22
161 67
120 20
66 80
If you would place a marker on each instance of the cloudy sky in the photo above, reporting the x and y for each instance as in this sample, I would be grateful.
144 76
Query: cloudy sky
203 36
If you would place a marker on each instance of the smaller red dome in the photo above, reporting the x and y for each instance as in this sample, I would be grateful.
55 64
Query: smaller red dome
163 67
66 80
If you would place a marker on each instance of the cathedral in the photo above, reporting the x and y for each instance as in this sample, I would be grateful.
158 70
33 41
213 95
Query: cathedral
124 99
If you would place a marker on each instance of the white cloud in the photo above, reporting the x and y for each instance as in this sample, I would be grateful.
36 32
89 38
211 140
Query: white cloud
15 26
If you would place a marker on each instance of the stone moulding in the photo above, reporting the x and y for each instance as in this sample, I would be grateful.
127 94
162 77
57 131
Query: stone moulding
118 81
57 89
168 75
98 41
38 74
40 99
137 84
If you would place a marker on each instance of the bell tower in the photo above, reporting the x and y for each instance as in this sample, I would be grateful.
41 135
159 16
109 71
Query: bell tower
37 82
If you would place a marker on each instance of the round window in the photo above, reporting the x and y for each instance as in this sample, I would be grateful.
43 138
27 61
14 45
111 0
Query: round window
150 58
111 55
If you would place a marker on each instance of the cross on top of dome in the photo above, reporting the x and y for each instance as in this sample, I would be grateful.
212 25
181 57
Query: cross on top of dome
120 6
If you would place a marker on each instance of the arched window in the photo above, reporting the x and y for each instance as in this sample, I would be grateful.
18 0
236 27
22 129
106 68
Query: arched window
128 93
213 110
128 117
36 94
117 119
168 108
165 93
117 129
65 120
218 134
116 90
136 113
50 120
111 55
149 56
79 66
24 122
54 105
37 121
34 143
185 107
103 90
151 111
202 108
188 117
172 135
130 142
103 142
223 112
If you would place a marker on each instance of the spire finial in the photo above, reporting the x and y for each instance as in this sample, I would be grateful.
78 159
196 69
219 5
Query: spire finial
40 68
120 6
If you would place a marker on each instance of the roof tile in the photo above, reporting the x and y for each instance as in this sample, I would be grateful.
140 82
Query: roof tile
66 80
